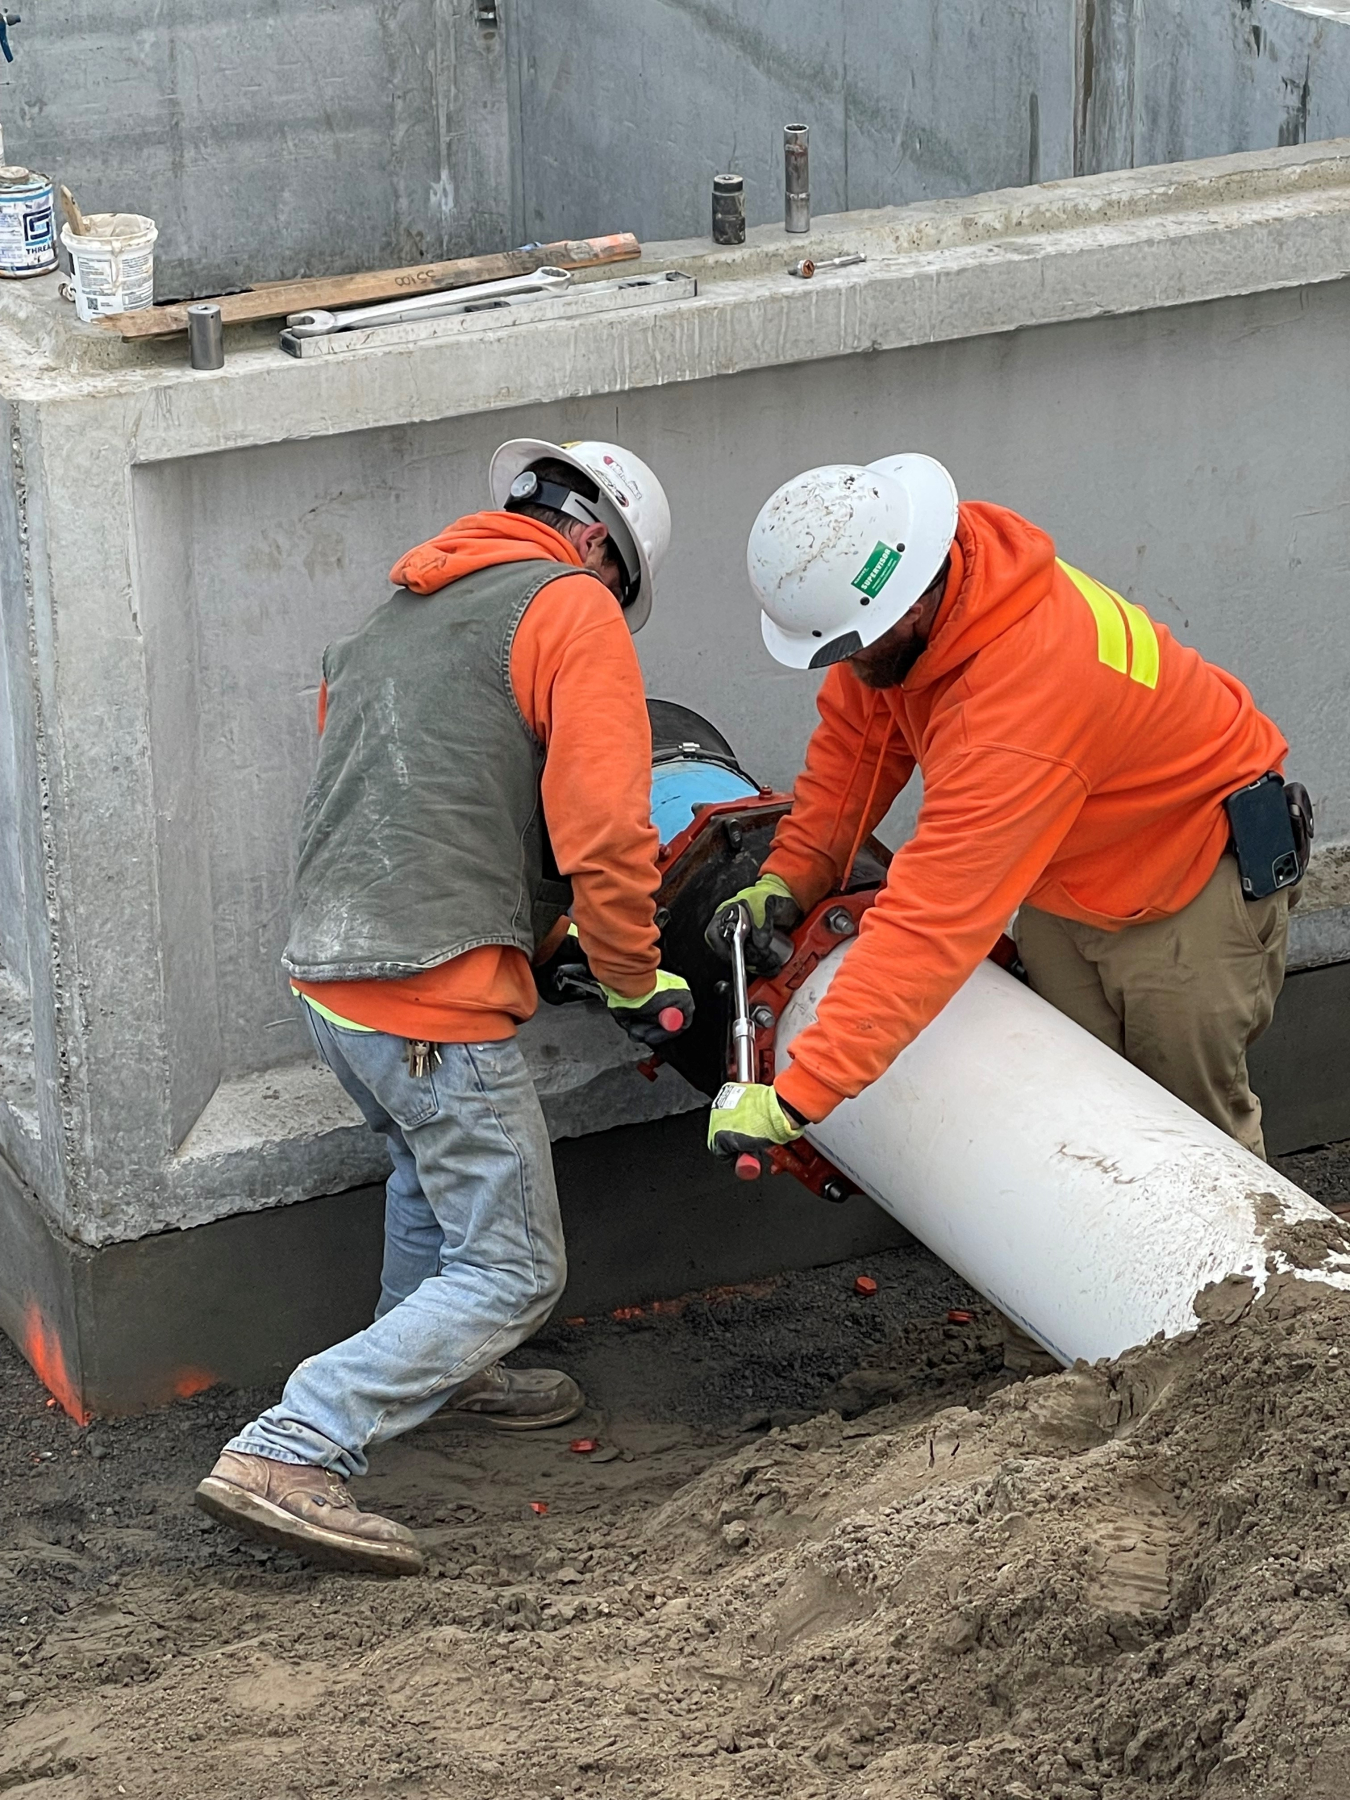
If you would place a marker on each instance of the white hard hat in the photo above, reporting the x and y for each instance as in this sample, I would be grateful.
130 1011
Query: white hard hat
632 505
840 553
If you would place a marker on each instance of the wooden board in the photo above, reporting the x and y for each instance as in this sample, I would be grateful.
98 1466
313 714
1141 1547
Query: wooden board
274 299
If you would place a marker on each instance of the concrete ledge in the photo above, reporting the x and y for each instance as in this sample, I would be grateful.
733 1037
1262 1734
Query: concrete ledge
271 1139
1319 926
1106 244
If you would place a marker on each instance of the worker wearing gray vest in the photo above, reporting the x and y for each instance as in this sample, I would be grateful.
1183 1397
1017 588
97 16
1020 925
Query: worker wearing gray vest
484 770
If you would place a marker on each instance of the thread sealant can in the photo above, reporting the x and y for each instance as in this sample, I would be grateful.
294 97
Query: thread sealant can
27 223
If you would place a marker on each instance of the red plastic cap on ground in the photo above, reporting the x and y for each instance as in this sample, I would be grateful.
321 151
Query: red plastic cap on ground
584 1446
958 1316
747 1167
865 1285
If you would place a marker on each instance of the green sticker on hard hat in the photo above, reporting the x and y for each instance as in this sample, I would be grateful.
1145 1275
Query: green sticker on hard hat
876 571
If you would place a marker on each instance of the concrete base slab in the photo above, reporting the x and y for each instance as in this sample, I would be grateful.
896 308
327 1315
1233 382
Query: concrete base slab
242 1300
648 1214
1301 1067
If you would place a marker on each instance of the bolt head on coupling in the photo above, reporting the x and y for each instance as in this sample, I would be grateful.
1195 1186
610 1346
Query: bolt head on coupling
762 1017
839 921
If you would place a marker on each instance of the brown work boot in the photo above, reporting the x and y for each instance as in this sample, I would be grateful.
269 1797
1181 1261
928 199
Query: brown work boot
516 1399
306 1509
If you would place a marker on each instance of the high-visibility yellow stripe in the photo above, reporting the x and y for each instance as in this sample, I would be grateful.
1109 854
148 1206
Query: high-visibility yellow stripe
1142 663
332 1017
1143 643
1110 624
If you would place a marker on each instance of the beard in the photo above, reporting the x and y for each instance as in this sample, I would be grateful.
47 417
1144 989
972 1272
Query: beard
889 670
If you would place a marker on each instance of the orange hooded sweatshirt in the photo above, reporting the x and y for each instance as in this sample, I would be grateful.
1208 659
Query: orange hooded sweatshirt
1074 755
576 680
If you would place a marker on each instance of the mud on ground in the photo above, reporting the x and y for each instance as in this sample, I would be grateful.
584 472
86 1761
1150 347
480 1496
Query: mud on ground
921 1580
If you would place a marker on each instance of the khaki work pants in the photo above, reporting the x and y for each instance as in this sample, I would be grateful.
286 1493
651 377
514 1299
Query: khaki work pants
1181 998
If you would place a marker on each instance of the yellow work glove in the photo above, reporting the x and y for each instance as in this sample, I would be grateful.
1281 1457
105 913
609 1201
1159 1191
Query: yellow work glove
746 1119
773 914
651 1018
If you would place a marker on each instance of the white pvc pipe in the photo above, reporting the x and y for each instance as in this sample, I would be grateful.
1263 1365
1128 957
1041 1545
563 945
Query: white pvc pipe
1087 1203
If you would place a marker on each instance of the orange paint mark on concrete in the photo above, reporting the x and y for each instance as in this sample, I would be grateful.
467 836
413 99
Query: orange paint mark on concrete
188 1382
43 1349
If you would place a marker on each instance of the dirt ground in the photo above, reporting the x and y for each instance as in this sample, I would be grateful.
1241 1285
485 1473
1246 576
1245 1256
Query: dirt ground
829 1545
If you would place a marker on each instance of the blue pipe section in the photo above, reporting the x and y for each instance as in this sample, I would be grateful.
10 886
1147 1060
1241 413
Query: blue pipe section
679 787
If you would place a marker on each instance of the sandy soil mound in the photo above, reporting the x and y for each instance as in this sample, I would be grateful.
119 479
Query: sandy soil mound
1123 1581
1128 1582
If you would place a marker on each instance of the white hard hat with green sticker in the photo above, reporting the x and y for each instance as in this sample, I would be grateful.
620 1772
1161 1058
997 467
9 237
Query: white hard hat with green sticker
840 553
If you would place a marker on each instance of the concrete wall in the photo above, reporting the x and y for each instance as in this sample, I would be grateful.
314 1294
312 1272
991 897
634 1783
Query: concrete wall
270 137
1150 365
907 100
1153 448
280 137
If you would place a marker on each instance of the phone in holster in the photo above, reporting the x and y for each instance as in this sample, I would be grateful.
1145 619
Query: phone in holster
1271 827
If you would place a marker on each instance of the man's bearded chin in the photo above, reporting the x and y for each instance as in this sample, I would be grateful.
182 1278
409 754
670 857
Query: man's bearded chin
891 668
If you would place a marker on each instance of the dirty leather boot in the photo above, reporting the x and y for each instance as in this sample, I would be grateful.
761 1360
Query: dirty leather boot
516 1399
306 1509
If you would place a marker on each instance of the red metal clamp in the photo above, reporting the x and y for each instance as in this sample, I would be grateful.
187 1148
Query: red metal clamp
829 925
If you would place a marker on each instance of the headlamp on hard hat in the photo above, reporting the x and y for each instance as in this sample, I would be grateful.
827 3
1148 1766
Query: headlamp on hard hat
530 486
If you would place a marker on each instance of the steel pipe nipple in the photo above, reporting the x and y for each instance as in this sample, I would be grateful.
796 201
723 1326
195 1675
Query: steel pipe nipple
796 178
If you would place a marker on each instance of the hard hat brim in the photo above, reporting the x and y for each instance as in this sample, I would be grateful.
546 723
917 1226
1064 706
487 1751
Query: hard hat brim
788 648
935 505
515 456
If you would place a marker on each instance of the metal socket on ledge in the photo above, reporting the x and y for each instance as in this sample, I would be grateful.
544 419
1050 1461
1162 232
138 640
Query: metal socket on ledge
796 178
728 209
206 336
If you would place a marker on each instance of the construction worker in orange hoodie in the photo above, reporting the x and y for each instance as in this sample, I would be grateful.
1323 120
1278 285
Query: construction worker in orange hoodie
1077 763
484 765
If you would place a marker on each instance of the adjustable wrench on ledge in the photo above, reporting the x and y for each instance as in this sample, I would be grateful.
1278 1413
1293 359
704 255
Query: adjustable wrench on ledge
318 323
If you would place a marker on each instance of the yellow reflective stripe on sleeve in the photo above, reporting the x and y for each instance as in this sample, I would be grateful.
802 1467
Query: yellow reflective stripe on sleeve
1110 625
332 1017
1111 611
1143 643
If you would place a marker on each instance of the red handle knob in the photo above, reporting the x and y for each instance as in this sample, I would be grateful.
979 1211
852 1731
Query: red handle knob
747 1167
670 1018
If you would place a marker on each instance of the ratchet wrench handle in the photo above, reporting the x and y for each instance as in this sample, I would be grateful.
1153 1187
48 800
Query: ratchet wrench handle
742 1031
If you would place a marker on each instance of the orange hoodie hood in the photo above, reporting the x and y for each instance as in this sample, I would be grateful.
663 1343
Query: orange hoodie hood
479 541
1002 566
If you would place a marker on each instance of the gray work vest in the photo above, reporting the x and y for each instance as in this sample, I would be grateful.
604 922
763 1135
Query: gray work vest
423 833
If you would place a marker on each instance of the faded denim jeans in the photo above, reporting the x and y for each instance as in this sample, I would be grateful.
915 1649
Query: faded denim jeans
473 1246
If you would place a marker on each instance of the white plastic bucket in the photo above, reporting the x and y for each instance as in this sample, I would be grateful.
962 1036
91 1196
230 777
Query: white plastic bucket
112 263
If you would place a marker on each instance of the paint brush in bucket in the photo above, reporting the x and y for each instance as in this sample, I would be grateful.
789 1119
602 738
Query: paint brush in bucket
70 207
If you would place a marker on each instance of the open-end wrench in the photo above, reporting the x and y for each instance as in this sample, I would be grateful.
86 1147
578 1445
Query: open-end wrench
319 323
742 1030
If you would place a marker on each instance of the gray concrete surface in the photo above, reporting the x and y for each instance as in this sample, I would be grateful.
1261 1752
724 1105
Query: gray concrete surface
1151 365
311 136
906 100
270 137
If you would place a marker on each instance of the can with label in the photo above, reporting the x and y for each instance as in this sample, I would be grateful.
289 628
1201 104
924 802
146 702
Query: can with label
27 223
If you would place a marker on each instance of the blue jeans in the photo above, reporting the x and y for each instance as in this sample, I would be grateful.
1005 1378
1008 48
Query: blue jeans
473 1246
